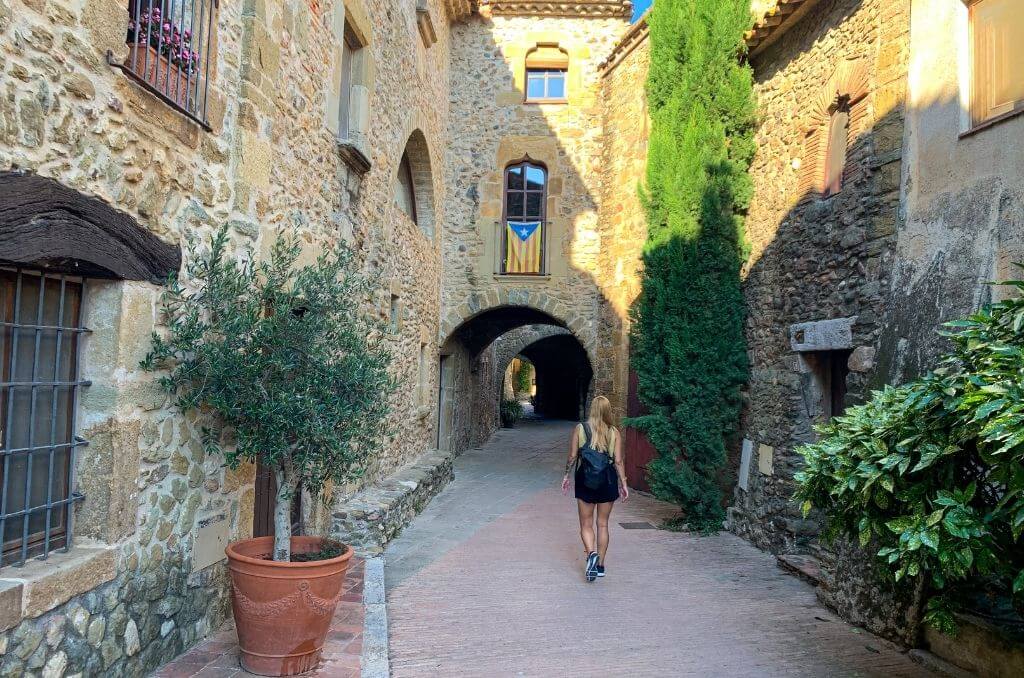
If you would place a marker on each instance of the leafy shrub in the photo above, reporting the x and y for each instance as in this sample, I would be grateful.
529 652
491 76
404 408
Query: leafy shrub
687 343
511 411
283 356
932 472
523 379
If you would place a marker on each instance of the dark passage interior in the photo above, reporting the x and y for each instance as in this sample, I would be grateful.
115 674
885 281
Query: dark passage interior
563 376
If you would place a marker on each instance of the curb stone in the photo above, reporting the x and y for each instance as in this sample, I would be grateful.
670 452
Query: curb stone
375 662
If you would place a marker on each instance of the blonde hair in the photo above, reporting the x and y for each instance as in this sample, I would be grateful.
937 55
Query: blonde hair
602 424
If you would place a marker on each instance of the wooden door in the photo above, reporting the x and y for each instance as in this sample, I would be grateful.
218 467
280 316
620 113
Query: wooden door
263 511
637 448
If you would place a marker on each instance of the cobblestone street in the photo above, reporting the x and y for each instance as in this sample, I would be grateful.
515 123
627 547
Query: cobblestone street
487 582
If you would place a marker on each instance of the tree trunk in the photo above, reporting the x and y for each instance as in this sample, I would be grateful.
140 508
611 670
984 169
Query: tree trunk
286 484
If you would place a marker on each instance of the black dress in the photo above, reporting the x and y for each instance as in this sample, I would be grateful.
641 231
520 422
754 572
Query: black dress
609 492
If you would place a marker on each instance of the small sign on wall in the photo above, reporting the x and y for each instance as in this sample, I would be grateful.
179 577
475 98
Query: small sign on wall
765 459
211 540
746 455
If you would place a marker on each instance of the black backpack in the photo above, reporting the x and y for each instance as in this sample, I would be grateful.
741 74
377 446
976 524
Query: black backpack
596 467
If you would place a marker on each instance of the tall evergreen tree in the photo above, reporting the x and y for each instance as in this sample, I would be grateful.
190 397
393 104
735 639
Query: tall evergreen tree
687 332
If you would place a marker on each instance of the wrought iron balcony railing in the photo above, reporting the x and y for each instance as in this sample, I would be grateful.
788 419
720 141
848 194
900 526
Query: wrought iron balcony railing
169 43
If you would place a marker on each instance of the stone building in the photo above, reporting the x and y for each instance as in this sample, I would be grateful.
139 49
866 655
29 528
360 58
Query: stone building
886 196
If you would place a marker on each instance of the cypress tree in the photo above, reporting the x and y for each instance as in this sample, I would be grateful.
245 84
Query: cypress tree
687 338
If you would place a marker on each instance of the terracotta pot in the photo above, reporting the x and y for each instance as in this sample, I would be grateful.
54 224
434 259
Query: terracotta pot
169 79
283 610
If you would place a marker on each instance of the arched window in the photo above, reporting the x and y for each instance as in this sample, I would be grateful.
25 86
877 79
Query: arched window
524 218
835 155
405 192
413 188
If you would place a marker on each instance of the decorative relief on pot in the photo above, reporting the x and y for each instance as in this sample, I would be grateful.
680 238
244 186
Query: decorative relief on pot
317 605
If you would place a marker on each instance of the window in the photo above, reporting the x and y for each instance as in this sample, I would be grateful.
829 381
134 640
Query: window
547 68
393 314
169 52
405 192
835 157
39 347
997 62
423 396
545 84
524 219
351 76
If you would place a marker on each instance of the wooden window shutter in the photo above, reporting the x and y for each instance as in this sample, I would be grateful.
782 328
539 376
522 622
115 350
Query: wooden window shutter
809 185
547 57
997 31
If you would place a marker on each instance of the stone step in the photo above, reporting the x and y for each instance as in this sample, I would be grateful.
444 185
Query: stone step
805 566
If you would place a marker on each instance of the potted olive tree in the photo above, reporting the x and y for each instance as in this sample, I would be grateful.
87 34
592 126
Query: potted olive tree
295 376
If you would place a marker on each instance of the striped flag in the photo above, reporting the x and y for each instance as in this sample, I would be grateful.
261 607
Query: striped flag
522 251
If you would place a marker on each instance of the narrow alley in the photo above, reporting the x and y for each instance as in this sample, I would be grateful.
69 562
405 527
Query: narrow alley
488 582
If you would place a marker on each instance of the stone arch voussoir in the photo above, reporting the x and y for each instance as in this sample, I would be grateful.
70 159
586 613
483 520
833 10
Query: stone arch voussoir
479 303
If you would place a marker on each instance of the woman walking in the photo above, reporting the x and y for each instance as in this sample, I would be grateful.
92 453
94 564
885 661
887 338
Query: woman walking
600 479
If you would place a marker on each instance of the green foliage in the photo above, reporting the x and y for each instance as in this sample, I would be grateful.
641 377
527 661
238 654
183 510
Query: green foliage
932 472
687 334
511 411
281 355
523 380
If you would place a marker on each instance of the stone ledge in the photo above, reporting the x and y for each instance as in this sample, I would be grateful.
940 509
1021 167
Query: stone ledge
376 515
980 646
40 586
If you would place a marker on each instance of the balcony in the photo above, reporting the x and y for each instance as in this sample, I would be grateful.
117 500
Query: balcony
169 52
523 249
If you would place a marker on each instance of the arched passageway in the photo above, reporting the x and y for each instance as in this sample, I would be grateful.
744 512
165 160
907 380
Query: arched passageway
474 359
563 375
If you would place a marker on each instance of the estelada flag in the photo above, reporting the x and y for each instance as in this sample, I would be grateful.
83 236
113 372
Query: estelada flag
522 251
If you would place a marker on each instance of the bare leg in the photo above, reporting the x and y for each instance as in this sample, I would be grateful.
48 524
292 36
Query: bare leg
586 525
604 511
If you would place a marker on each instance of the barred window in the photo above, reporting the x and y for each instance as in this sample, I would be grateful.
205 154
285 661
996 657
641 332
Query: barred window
169 51
39 349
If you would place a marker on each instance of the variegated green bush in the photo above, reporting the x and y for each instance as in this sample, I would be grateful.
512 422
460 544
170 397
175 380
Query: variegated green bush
931 473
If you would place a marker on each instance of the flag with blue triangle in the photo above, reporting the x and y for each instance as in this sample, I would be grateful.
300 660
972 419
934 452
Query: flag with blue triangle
523 246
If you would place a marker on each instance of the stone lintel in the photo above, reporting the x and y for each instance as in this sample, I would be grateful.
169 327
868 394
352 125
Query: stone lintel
822 335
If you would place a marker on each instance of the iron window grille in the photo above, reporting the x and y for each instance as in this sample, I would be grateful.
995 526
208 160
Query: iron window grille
40 349
169 52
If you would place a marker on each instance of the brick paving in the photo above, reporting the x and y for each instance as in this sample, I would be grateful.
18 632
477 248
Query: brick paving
217 657
487 582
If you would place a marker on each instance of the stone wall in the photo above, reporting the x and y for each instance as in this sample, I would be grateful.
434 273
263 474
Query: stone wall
816 259
270 164
819 274
623 222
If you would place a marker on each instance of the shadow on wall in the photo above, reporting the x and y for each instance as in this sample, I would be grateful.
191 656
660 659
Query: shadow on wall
488 306
898 250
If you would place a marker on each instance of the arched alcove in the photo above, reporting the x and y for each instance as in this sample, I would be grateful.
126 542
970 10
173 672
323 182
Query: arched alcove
414 184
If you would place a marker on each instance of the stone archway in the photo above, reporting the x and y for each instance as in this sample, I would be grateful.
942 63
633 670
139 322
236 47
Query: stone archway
520 307
472 360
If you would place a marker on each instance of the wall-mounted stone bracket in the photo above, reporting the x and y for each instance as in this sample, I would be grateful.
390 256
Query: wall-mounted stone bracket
822 335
